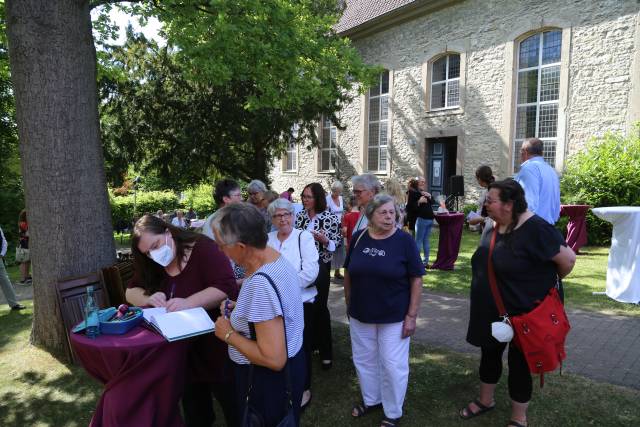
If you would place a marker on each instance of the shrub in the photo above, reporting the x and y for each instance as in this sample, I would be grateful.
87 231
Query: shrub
146 201
200 198
606 173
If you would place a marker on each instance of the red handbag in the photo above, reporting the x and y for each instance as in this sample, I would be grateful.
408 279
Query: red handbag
541 333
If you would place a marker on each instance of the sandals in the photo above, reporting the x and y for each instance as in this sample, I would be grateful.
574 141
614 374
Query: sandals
360 409
390 422
514 423
482 409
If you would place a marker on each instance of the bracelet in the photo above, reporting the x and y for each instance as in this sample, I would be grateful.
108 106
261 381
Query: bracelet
228 334
414 316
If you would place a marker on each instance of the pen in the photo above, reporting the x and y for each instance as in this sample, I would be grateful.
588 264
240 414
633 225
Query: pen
173 289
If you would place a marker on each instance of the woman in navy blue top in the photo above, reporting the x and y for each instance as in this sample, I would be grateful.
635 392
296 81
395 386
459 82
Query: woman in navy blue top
383 287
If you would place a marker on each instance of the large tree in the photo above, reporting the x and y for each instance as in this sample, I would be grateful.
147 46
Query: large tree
223 95
53 67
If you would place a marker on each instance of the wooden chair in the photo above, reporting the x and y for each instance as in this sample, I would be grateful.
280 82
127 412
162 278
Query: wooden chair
72 297
115 279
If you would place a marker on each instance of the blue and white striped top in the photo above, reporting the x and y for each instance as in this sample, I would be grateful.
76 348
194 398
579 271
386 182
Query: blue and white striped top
258 302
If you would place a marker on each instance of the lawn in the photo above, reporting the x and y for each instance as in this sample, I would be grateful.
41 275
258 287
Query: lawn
588 276
37 390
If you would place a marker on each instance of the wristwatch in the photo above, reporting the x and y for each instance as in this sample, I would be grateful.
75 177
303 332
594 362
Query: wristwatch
228 334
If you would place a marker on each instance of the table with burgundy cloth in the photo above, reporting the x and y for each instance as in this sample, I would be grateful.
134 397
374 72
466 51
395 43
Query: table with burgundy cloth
143 376
577 226
450 225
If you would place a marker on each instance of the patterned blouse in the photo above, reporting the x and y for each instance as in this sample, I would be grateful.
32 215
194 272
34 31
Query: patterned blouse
327 223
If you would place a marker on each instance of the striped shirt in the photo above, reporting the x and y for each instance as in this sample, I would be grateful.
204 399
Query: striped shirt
258 302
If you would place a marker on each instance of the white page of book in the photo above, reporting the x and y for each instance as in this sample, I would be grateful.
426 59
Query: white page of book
148 313
184 323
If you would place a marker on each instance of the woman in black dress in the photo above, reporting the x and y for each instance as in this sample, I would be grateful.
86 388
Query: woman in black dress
529 258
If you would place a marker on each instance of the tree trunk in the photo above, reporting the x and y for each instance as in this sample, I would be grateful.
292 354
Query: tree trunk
53 68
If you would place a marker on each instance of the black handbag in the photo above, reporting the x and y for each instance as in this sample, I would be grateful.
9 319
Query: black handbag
252 418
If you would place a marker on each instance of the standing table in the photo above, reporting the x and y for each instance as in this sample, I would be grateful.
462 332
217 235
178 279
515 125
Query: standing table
577 226
142 373
451 225
623 269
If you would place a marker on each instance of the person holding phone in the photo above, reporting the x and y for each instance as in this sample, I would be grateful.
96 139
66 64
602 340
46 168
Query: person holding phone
179 269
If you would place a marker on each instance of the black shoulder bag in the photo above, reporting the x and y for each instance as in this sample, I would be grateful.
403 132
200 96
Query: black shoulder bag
251 417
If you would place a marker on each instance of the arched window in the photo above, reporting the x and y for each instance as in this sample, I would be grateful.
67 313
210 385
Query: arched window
378 135
538 93
445 82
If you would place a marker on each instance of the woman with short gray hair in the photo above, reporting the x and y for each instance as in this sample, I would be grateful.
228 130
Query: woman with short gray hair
382 290
365 186
298 247
264 327
257 190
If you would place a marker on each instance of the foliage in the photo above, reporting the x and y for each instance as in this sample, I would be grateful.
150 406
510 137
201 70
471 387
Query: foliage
11 194
604 174
222 96
145 202
200 198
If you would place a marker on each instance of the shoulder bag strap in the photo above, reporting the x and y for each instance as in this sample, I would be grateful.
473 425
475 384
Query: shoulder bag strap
492 276
287 373
299 250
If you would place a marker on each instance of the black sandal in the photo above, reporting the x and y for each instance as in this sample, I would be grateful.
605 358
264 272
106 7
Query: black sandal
390 422
514 423
470 414
361 409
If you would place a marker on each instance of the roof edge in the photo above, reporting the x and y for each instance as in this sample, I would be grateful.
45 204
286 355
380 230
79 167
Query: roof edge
397 16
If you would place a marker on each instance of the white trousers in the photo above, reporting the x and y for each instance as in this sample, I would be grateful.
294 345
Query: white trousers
381 358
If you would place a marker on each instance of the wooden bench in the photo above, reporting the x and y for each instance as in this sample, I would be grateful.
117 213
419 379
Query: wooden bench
115 279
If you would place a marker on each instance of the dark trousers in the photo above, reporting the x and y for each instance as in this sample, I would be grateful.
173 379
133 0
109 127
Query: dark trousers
197 404
321 318
520 384
268 397
307 344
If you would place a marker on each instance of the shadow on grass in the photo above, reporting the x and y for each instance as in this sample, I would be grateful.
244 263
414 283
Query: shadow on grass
442 382
14 323
67 400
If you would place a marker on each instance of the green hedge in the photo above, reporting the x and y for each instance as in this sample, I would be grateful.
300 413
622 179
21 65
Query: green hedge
199 198
606 173
146 201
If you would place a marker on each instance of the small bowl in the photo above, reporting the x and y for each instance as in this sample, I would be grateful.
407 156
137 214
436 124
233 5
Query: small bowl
119 328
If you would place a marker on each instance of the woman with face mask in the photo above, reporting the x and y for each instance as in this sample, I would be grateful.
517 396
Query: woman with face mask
178 269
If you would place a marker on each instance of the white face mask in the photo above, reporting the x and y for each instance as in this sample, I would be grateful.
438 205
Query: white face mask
164 254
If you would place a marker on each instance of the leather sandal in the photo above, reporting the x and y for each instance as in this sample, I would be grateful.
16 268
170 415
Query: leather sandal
514 423
390 422
360 409
481 410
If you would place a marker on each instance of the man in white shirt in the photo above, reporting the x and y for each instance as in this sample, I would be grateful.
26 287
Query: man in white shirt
539 181
5 283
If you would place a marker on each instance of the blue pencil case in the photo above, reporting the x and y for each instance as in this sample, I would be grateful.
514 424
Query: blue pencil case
113 327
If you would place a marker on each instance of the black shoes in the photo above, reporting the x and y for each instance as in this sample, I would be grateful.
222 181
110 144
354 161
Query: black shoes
18 307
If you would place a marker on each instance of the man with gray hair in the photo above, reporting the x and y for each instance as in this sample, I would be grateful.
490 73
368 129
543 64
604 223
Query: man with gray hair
539 181
365 187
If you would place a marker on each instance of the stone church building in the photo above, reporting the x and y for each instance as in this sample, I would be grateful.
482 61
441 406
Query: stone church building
465 82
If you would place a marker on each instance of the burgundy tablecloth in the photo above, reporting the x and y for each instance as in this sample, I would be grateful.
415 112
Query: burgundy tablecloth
143 377
449 243
577 226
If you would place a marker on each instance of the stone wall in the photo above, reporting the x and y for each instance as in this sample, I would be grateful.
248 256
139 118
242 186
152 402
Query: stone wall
599 44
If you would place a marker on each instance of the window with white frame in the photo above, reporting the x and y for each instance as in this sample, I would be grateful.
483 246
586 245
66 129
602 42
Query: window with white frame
538 93
378 135
328 145
291 155
445 82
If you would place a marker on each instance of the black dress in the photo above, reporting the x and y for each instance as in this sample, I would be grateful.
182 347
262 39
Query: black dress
524 270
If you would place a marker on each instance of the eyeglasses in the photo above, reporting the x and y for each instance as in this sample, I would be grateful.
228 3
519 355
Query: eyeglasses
253 193
358 192
281 216
307 197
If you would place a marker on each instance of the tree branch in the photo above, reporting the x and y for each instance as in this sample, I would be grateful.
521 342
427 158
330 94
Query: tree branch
96 3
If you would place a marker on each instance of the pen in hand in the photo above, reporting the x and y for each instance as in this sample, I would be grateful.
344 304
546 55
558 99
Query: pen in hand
227 312
173 289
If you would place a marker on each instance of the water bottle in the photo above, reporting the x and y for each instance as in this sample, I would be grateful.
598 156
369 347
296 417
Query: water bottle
91 319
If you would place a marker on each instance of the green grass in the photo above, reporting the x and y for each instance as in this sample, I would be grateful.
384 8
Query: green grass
38 390
588 276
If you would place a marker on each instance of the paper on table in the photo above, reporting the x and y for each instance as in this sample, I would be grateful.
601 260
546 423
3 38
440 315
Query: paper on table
182 324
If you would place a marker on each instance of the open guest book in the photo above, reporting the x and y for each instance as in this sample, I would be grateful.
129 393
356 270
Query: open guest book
178 325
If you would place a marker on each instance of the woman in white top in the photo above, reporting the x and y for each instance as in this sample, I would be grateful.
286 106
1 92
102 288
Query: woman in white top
179 220
336 205
298 247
